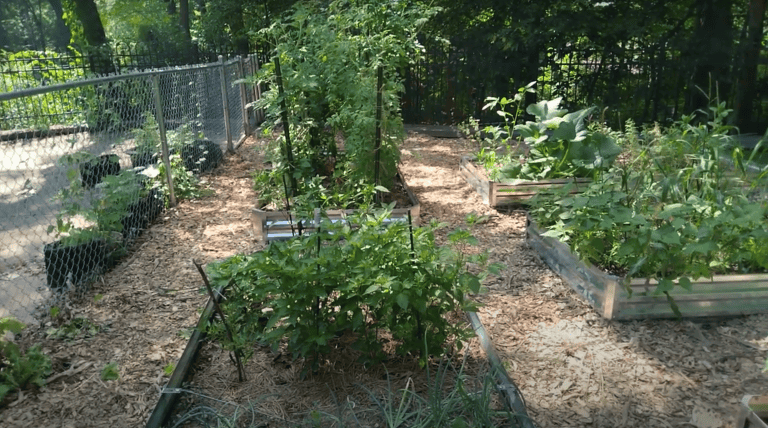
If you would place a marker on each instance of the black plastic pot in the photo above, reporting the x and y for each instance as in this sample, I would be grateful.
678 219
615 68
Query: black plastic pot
142 213
75 263
201 155
92 172
142 158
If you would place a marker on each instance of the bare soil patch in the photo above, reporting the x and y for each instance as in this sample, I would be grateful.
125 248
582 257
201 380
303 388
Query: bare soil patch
574 368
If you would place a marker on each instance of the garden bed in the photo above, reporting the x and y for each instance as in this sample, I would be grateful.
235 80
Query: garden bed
279 225
496 194
269 398
573 367
728 295
753 412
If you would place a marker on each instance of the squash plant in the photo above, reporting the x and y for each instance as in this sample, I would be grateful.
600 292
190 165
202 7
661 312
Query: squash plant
557 144
353 282
328 58
675 211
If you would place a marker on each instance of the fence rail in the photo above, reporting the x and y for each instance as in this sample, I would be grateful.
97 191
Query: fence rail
74 193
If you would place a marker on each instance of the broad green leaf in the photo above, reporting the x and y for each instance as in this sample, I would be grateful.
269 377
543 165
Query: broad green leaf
544 110
402 301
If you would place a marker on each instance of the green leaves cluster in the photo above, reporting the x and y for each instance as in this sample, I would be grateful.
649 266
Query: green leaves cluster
30 69
329 56
355 283
682 207
20 369
556 144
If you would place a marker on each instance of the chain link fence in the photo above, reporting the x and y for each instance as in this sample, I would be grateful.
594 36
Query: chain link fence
86 166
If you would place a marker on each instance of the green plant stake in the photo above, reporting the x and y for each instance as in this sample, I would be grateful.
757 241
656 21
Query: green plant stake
286 127
240 369
377 142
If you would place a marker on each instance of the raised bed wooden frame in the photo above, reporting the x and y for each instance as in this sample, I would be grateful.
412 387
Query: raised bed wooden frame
280 225
723 295
497 194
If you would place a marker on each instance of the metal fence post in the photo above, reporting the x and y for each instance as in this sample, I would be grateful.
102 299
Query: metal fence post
225 100
163 140
243 100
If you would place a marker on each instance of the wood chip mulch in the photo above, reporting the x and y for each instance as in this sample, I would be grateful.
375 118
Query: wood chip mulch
574 368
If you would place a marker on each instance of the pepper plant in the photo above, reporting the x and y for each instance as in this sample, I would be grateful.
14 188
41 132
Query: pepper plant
354 282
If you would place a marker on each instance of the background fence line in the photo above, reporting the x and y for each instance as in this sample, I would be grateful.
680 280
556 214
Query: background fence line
647 83
74 195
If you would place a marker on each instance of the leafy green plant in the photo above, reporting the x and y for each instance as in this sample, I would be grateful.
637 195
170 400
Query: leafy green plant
557 144
360 281
674 212
73 329
147 138
329 55
43 68
19 369
185 184
110 372
119 193
74 205
169 368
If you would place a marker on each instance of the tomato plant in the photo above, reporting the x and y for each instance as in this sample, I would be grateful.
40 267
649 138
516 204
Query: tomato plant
329 56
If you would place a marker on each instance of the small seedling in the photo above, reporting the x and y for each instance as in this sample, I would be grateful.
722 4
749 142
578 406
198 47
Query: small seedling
98 297
110 372
74 329
19 369
169 368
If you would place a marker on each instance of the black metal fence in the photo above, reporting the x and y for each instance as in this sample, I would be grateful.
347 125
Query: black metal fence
30 69
628 81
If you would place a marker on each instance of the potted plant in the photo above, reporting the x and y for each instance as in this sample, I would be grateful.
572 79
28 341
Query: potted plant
199 154
147 140
80 249
95 169
127 205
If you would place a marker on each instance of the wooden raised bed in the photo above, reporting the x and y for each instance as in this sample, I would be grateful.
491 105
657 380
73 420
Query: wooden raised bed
753 412
281 225
495 193
722 295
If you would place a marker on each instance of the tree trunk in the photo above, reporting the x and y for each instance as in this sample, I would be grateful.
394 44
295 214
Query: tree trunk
100 54
184 18
61 34
237 24
712 47
5 42
745 96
